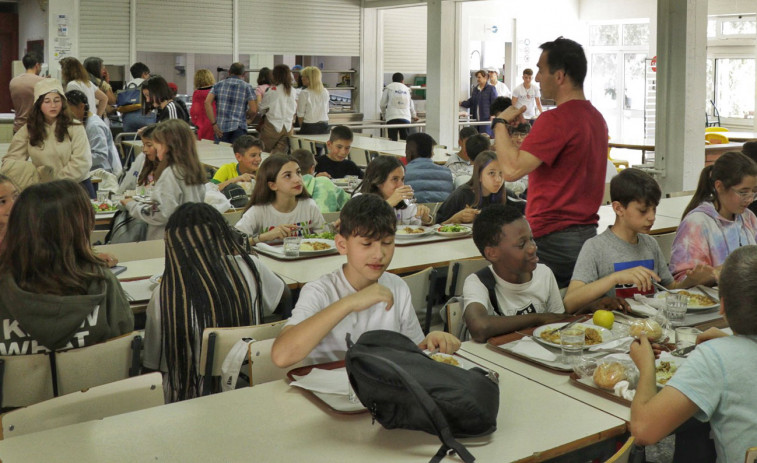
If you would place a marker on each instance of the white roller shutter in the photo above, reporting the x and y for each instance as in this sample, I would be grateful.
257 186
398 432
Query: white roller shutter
104 30
322 27
184 26
404 32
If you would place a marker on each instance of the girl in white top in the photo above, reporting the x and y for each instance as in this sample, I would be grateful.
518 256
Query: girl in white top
182 181
280 205
385 176
76 77
280 104
313 103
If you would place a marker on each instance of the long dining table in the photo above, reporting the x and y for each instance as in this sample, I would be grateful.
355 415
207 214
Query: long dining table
276 422
381 146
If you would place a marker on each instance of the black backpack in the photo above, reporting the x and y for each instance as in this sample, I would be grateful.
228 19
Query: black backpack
404 388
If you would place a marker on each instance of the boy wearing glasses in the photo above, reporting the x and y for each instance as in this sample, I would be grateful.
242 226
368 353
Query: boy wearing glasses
623 260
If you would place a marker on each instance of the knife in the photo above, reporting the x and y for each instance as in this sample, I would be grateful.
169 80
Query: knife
683 352
581 319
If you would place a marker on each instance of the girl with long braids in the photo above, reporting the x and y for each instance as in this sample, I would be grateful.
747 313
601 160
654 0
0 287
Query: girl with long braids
209 281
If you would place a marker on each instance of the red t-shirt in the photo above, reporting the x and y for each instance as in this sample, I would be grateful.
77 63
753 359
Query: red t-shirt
567 187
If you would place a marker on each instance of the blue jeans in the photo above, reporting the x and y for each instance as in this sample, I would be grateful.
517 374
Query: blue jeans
559 250
135 120
229 137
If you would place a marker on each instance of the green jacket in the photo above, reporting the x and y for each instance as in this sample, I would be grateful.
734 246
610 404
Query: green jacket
34 323
329 197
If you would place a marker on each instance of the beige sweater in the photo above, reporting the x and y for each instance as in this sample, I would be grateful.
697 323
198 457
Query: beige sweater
69 159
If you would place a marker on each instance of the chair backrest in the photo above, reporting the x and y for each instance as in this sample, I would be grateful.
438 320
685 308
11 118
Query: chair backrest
678 194
294 143
262 368
459 270
233 216
622 455
715 129
751 455
25 379
330 217
420 284
432 207
96 403
359 156
454 325
716 137
125 252
85 367
217 342
606 199
665 241
98 236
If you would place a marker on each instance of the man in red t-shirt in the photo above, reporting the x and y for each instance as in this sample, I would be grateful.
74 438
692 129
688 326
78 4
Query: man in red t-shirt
565 156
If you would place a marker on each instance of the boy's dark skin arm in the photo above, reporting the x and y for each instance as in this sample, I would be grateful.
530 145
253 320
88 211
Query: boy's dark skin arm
483 326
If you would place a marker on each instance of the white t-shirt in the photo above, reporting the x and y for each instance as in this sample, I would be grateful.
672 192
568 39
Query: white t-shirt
260 219
272 286
540 295
281 107
321 293
396 102
313 107
502 89
528 98
88 90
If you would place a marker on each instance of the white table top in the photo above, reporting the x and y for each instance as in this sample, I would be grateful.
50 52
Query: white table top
209 153
662 223
381 146
275 422
740 136
557 381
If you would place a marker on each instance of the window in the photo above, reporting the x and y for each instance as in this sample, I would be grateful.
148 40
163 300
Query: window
730 83
729 27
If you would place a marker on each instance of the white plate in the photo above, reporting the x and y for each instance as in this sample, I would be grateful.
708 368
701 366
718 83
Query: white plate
675 362
461 362
691 307
453 234
607 335
402 234
320 251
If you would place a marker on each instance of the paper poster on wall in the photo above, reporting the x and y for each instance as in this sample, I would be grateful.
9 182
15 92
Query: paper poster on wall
62 47
62 22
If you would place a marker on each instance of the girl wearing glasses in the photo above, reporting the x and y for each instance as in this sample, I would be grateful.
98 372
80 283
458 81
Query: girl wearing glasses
717 220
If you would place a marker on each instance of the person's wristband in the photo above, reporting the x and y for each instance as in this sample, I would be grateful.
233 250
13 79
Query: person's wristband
498 120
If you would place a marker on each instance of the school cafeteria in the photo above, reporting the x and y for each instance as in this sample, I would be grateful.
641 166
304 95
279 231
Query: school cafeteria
378 230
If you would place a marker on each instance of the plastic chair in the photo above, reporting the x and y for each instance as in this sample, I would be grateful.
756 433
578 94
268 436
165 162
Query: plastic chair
606 199
96 403
25 380
420 286
714 120
330 217
98 364
715 129
262 368
294 143
454 323
715 138
751 455
141 250
622 455
458 271
217 342
360 157
232 216
678 194
665 241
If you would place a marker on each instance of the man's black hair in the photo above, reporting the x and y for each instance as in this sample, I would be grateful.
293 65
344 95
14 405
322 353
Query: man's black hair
137 69
368 216
500 104
340 132
467 132
30 60
566 55
487 226
398 77
635 185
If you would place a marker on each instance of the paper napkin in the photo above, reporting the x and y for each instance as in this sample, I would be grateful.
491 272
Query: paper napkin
320 380
530 348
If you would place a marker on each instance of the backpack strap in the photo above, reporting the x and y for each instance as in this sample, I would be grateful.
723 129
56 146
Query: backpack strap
486 276
429 406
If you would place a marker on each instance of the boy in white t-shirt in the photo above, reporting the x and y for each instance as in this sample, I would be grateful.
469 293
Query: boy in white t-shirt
358 297
526 292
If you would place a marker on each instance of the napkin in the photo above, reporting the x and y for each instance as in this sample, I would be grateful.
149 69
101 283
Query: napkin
623 389
616 344
530 348
327 381
138 290
642 305
269 248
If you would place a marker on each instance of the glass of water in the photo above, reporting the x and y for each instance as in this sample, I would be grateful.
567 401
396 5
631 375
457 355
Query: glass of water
572 342
675 307
292 246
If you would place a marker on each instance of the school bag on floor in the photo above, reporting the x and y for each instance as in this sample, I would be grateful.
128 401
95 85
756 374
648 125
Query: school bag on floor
404 388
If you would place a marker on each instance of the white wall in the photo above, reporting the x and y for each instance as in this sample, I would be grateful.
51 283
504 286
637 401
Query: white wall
32 24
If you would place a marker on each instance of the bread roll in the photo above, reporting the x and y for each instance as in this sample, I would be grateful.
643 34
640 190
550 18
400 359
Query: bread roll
648 326
608 374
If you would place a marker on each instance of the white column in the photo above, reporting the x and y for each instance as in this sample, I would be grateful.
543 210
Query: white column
441 55
370 82
681 54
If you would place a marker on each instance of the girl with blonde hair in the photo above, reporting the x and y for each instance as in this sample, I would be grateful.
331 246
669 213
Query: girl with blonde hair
313 103
204 82
76 77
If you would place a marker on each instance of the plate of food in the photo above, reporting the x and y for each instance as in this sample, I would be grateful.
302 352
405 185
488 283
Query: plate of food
453 230
412 231
453 360
104 207
665 369
697 300
311 246
594 335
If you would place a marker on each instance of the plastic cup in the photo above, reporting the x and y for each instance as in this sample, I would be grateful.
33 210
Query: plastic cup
572 342
675 307
292 246
686 336
102 196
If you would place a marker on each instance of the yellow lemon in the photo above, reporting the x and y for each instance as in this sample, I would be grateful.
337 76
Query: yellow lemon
604 318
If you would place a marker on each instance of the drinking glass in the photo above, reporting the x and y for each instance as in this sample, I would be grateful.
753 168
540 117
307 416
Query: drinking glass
292 246
572 341
675 307
686 336
102 196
